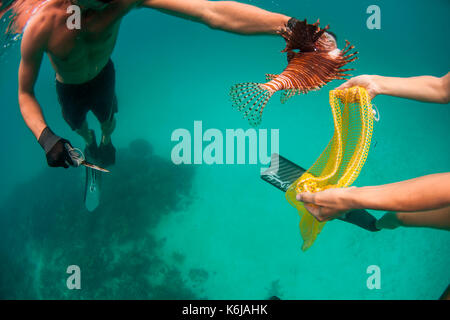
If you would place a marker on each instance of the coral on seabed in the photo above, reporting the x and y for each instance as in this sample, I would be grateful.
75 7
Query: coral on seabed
44 228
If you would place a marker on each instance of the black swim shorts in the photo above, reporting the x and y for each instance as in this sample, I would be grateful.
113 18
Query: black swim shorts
97 95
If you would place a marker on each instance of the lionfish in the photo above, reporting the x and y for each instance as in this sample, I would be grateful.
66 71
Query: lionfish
313 61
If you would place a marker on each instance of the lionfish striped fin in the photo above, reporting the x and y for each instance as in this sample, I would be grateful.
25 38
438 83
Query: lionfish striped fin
310 71
250 98
350 57
287 94
270 77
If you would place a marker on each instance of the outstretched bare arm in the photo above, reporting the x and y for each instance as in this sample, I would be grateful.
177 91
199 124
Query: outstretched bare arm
420 194
225 15
423 88
423 193
436 219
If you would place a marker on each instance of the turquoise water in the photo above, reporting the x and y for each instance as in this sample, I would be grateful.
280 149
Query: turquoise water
218 231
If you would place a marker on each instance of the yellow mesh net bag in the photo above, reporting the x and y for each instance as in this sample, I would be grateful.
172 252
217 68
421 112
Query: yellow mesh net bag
342 160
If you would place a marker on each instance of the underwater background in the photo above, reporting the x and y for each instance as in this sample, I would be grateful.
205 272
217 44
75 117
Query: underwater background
218 231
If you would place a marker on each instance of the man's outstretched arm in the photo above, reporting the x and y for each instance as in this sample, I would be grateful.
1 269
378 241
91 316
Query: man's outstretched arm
225 15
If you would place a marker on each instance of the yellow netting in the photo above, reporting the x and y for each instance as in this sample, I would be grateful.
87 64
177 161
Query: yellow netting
342 160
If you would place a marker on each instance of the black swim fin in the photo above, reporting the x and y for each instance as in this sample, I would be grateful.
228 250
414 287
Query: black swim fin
282 173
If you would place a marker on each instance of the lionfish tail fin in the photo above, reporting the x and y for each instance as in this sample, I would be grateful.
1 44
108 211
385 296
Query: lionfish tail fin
250 99
287 94
270 77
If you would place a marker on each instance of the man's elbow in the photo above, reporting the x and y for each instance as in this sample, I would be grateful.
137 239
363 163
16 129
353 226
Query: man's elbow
446 97
218 23
445 90
25 95
213 18
22 94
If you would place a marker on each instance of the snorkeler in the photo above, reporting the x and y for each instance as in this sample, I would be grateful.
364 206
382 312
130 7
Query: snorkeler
85 75
420 202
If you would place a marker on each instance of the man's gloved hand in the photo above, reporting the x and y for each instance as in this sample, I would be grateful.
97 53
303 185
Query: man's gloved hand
300 35
55 150
291 23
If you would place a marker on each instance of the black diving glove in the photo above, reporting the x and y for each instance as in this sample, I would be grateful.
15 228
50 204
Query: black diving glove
55 149
291 23
302 36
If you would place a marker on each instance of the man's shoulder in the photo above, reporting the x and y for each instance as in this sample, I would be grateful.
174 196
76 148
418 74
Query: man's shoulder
42 24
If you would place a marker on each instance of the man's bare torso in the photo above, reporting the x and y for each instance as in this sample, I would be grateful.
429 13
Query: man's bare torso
79 55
